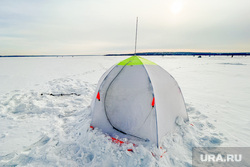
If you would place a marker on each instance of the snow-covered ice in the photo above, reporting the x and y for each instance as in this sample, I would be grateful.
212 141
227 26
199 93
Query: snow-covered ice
43 130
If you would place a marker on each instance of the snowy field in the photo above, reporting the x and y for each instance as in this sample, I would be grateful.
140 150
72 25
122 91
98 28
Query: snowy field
46 130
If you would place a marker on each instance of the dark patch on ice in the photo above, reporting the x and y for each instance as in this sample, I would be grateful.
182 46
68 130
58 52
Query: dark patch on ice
89 158
210 141
240 64
215 140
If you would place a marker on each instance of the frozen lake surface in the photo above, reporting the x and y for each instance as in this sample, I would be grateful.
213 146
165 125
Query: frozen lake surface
40 130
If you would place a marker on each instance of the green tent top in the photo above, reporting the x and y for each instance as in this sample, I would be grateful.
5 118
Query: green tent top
135 60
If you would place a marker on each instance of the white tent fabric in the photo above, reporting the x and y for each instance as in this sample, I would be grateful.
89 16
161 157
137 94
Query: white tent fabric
138 99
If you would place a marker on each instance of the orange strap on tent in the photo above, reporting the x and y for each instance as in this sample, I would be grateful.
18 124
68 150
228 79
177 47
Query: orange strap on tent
117 141
163 154
153 102
98 96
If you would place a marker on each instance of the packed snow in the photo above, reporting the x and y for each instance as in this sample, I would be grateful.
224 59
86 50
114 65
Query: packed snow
44 130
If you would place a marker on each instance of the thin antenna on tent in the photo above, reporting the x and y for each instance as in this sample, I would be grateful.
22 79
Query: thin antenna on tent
136 34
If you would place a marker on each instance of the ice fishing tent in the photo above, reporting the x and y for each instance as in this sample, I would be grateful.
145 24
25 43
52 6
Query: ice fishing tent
137 98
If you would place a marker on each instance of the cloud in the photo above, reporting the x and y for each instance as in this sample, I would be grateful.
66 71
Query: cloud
107 26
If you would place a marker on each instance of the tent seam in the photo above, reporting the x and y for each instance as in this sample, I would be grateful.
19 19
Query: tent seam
155 103
106 77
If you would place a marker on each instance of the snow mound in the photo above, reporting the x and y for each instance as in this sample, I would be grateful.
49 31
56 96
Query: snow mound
55 131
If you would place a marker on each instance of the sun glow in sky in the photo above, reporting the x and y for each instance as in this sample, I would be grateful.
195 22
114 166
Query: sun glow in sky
176 7
108 26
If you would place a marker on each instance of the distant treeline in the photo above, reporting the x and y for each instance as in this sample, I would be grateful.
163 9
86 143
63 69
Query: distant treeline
45 55
183 54
145 54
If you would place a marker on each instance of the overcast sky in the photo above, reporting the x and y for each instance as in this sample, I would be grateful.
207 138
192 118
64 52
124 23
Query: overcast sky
108 26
